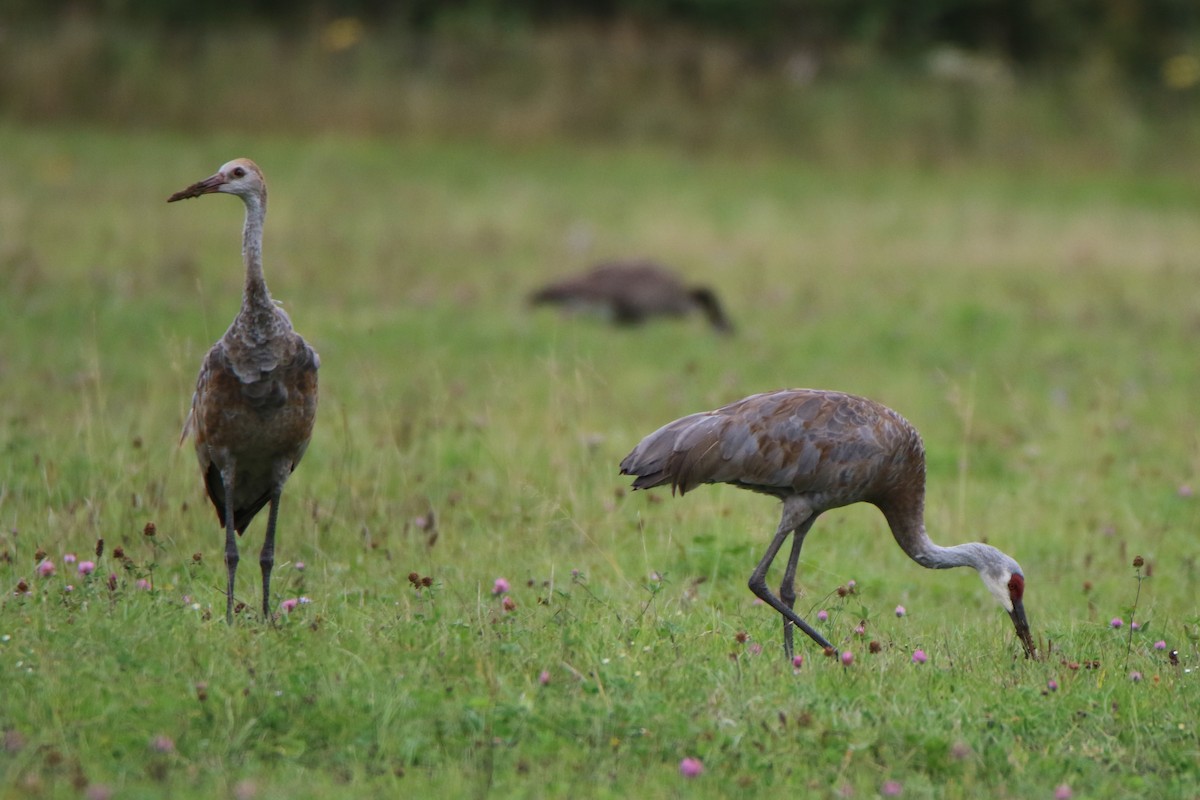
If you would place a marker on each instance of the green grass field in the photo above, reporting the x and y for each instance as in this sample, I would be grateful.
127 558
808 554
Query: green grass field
1039 328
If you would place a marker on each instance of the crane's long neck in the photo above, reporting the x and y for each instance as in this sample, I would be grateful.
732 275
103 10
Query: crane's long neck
908 526
256 295
711 306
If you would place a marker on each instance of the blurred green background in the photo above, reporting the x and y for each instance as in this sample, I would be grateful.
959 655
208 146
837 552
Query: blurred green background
1103 84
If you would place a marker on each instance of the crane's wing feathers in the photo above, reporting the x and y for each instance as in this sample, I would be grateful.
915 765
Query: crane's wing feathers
780 443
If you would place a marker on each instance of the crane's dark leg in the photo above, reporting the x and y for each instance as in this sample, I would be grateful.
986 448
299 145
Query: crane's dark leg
787 590
231 548
266 558
795 514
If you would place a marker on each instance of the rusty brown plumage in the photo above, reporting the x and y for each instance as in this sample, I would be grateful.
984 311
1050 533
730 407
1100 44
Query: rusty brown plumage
255 402
817 450
630 292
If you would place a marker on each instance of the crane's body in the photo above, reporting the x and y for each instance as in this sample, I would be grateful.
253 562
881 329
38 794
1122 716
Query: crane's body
630 292
817 450
255 402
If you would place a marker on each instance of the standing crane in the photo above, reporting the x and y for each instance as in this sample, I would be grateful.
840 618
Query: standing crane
817 450
629 292
256 396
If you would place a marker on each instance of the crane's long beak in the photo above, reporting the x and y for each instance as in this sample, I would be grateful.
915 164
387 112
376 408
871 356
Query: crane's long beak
209 185
1022 626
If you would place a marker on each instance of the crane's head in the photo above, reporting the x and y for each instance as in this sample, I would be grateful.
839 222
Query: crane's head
1004 579
241 177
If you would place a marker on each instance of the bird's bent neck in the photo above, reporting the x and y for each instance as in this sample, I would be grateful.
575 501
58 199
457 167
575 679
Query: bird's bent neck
909 530
256 295
937 557
711 307
908 526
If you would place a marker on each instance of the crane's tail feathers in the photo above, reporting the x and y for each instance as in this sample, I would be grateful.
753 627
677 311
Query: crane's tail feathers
684 453
648 481
243 516
216 493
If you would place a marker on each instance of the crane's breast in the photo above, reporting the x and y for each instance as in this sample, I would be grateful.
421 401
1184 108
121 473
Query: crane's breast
270 416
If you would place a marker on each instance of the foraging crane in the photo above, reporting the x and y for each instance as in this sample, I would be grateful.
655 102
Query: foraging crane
817 450
629 292
256 396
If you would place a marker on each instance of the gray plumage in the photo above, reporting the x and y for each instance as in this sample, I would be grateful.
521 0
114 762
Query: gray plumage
818 450
630 292
255 402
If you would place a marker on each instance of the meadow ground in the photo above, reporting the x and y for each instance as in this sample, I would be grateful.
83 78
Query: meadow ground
1038 327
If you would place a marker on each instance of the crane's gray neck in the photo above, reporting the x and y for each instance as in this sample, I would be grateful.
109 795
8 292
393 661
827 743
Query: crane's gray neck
909 530
256 294
707 300
971 554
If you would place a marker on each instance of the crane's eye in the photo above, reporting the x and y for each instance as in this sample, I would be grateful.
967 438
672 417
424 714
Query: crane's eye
239 172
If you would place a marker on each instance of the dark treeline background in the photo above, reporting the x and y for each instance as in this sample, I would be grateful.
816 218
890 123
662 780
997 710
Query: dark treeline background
1136 37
